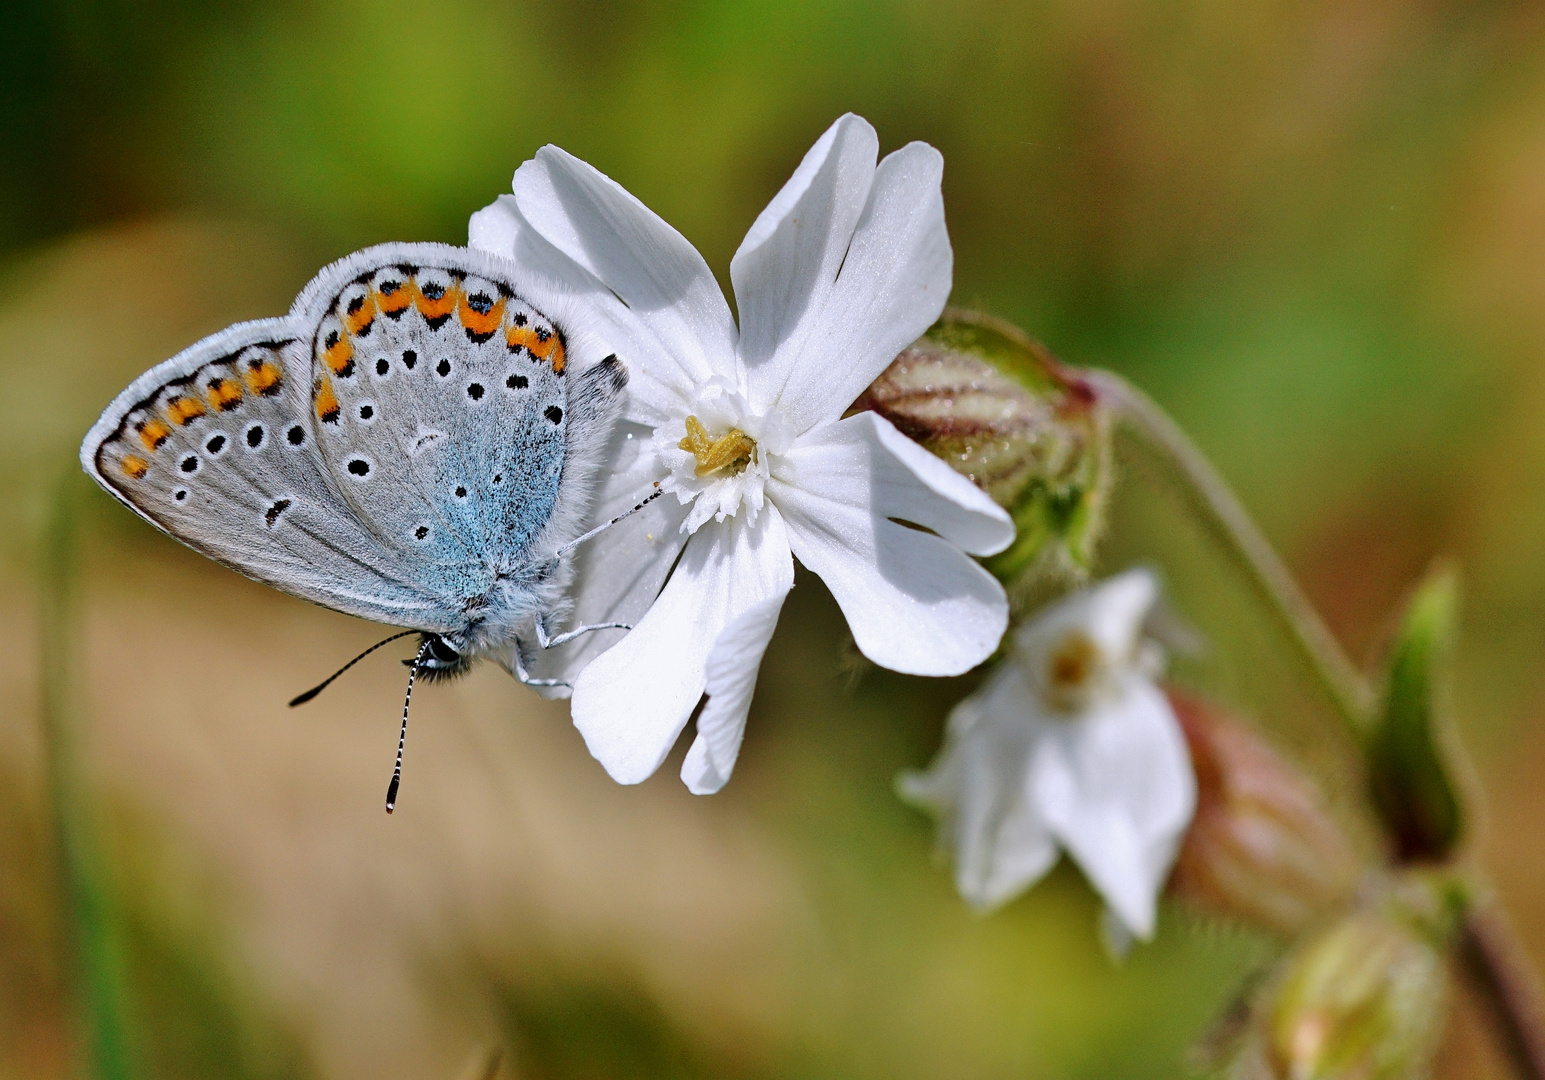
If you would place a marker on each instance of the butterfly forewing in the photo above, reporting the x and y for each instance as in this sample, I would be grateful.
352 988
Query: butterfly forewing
439 402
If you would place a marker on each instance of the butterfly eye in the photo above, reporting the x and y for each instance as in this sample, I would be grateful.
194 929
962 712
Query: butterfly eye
215 444
189 464
421 532
475 391
296 436
443 368
517 382
255 436
359 468
366 412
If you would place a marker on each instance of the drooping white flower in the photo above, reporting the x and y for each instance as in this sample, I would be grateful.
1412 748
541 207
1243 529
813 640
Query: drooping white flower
744 429
1068 744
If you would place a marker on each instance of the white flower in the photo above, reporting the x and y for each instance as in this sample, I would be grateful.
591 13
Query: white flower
744 429
1068 743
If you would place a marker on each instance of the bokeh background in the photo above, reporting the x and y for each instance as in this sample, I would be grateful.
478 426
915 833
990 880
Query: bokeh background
1315 231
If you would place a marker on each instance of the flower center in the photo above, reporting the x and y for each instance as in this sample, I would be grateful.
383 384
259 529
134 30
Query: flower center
1071 669
731 451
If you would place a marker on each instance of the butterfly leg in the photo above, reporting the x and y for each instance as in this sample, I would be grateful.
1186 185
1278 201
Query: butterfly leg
518 654
564 638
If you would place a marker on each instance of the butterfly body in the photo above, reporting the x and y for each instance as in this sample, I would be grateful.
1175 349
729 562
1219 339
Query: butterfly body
413 444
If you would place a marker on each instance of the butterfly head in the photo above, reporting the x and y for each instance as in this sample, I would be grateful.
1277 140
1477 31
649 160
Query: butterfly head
440 658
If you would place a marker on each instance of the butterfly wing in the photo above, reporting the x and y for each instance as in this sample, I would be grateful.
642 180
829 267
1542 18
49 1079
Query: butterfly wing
440 405
391 449
217 447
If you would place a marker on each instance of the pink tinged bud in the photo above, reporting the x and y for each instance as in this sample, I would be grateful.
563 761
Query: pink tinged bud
1261 848
1001 410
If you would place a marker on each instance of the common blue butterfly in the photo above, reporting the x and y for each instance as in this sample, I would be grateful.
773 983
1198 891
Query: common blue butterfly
413 444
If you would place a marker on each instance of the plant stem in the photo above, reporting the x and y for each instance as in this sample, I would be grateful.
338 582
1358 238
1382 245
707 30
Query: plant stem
1490 952
1221 510
93 939
1493 957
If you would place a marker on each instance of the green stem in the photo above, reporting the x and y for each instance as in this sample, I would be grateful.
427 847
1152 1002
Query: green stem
1493 958
1490 952
93 940
1218 507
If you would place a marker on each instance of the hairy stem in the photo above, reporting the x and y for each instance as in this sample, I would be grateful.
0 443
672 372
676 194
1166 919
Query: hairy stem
1217 506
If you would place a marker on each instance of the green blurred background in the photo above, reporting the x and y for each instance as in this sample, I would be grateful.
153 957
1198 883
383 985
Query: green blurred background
1314 231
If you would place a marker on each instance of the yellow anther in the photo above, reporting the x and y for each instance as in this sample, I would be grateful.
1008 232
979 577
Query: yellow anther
733 450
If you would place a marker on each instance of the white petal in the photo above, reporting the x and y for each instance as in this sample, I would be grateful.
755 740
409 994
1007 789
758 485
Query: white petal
787 265
978 785
731 681
496 227
649 265
618 574
582 306
632 701
1117 788
894 282
914 601
1110 613
908 483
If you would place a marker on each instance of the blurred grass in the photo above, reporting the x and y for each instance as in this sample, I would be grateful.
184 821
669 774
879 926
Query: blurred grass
1312 231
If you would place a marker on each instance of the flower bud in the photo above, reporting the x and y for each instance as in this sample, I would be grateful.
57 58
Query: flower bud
1001 410
1360 999
1363 999
1262 847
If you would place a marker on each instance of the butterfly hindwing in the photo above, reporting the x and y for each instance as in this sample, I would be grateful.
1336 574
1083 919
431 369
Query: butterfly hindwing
391 448
216 447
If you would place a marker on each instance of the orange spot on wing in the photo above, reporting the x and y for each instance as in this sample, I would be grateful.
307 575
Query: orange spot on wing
224 394
326 402
359 320
435 309
339 355
153 433
136 467
540 342
481 325
389 303
264 377
183 410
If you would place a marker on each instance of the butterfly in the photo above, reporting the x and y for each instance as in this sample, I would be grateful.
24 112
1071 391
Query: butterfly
412 444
